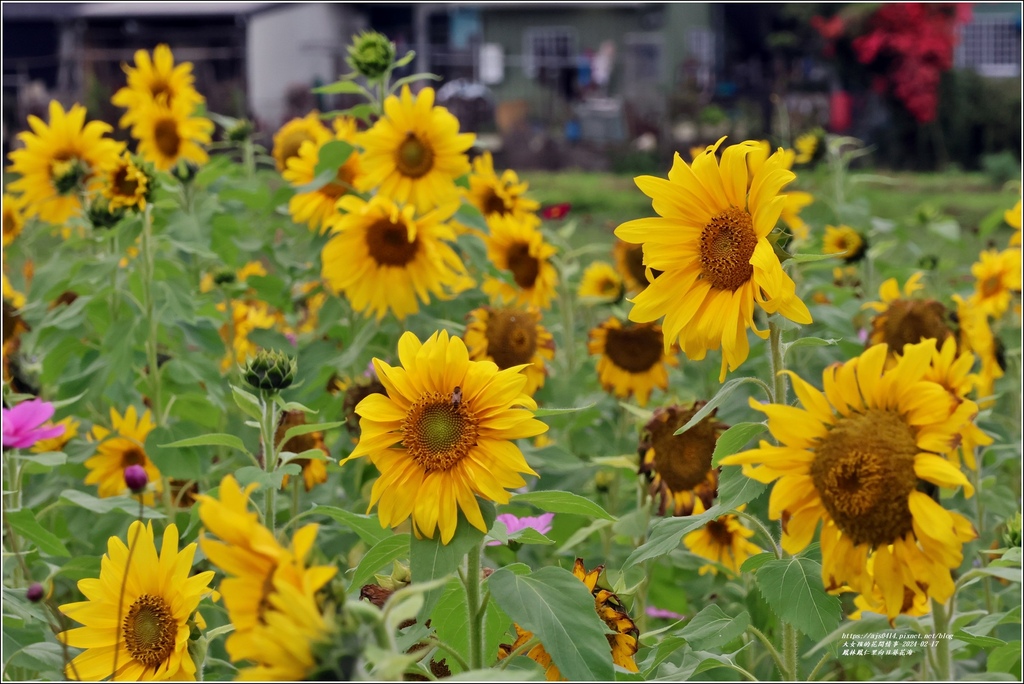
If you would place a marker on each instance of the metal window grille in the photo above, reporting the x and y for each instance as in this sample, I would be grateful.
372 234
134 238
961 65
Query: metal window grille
990 45
551 47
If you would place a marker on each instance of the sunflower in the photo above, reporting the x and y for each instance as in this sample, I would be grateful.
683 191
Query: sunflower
845 242
624 640
997 278
915 604
126 184
314 470
806 147
118 448
633 359
383 257
443 435
169 134
156 79
511 338
60 441
318 208
246 316
226 276
902 320
679 466
289 138
14 219
711 242
1013 219
139 613
976 336
795 200
857 458
629 260
723 540
59 161
953 372
502 196
517 246
601 282
414 153
354 394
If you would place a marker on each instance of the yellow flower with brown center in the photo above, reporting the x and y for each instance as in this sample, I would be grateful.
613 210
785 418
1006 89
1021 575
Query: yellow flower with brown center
494 195
859 458
226 276
601 283
511 338
845 242
997 278
169 134
915 604
679 466
139 612
624 641
289 138
414 153
953 372
976 336
158 80
629 260
126 185
518 247
314 470
59 161
60 441
903 320
246 316
795 200
711 242
14 221
319 208
724 540
443 435
1013 219
118 448
806 147
383 257
633 359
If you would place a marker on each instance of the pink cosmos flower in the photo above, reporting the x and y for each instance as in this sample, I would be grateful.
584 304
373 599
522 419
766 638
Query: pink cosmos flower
21 424
541 523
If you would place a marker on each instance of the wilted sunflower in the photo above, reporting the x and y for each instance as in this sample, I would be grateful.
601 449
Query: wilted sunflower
493 195
517 246
601 282
679 466
156 601
382 257
624 642
120 448
976 336
1013 219
59 161
414 153
314 470
289 138
795 200
13 218
126 184
724 540
902 320
156 80
997 278
953 372
856 458
511 338
443 435
845 242
319 208
711 242
629 259
633 359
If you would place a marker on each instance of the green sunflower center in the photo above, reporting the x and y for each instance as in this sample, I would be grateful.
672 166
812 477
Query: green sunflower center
166 137
683 461
439 430
525 267
389 245
68 173
150 630
726 245
864 473
908 321
511 337
636 349
415 158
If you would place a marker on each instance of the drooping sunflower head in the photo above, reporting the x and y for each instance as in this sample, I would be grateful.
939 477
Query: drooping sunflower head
414 153
601 283
289 138
724 540
906 320
710 241
314 470
511 338
494 195
128 184
157 80
119 447
14 219
679 466
518 248
845 242
443 435
997 279
633 358
319 208
168 135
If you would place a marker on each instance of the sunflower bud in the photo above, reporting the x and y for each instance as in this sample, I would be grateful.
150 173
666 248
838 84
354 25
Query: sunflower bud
240 131
1012 535
68 176
399 577
101 215
271 371
185 171
225 276
603 480
370 55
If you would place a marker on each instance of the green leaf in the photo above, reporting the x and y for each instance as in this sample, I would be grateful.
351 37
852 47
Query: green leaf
563 502
736 489
756 561
332 155
808 258
559 609
735 438
39 657
470 216
667 533
366 526
24 523
213 439
48 459
449 618
126 504
384 552
404 59
297 430
250 474
809 342
982 641
644 415
722 394
1005 659
793 589
80 567
341 88
412 78
712 628
543 412
248 402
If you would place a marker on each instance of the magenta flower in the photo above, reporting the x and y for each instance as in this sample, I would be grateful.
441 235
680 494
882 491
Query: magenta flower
21 424
541 523
663 613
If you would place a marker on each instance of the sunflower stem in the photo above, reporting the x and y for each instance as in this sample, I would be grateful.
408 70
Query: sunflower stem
979 514
777 363
268 426
789 639
476 633
817 668
776 549
565 303
146 265
772 651
940 626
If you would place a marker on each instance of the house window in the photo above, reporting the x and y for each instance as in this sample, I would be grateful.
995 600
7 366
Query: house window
644 58
990 45
548 48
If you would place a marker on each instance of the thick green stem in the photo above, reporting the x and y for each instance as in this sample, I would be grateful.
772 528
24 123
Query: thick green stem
789 639
817 668
268 426
943 657
249 158
772 651
146 264
566 304
476 632
979 521
777 363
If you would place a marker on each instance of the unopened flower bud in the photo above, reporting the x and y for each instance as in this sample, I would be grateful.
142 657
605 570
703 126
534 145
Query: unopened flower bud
136 478
371 54
271 371
35 592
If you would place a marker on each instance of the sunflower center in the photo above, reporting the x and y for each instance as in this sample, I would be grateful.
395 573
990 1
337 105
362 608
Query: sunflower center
525 267
908 321
635 264
161 90
124 185
292 143
511 337
991 286
726 245
415 158
389 245
494 204
864 473
150 630
684 461
719 531
439 430
132 456
165 133
10 222
342 182
635 349
68 172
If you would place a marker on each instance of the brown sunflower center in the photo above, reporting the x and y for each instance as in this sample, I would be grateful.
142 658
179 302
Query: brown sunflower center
132 456
908 321
635 349
683 461
165 134
492 203
726 245
439 430
161 90
635 264
150 630
292 143
123 185
991 286
10 221
415 157
511 337
389 245
719 532
524 266
864 473
342 182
